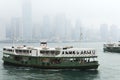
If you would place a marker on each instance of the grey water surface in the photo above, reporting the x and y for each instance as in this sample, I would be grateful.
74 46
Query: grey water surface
109 68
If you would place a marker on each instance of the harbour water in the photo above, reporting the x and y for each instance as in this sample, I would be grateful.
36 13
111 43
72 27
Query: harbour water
109 68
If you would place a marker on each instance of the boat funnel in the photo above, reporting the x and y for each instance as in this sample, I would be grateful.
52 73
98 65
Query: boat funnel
43 44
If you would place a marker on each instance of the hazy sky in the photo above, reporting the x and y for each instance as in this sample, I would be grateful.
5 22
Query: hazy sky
90 12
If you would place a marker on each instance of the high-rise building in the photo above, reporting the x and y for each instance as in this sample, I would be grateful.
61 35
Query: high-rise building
2 31
104 31
15 29
60 22
78 31
27 20
114 32
8 32
37 32
68 30
46 27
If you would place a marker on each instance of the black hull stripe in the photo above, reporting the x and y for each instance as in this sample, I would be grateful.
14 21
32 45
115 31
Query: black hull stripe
53 67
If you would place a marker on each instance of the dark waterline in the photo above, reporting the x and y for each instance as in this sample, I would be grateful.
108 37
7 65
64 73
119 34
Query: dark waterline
108 70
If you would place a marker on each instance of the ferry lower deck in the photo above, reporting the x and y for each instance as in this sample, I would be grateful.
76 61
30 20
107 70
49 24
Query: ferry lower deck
52 63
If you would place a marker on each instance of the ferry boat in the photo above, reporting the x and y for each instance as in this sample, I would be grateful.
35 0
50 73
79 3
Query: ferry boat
112 47
50 58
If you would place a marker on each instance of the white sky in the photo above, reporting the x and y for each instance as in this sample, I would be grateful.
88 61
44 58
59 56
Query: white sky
90 12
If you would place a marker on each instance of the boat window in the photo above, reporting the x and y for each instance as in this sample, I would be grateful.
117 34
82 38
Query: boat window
57 52
89 52
66 52
30 51
77 52
84 52
52 52
64 48
47 52
4 48
63 52
81 52
70 52
27 51
16 51
10 50
93 51
20 51
24 51
73 52
42 52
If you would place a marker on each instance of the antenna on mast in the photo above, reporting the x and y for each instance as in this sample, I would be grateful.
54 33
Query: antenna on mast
80 38
13 35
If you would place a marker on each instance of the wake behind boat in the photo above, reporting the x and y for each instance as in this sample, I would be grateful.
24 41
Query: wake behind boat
50 58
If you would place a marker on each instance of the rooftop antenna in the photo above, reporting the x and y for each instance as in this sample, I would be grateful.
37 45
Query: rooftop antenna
80 38
13 38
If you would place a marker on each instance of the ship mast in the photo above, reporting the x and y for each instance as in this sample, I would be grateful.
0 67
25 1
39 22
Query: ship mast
80 37
13 40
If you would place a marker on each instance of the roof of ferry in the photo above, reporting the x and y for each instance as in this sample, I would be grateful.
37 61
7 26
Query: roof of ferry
47 48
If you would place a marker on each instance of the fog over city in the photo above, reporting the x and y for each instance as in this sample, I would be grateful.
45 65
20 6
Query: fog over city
60 20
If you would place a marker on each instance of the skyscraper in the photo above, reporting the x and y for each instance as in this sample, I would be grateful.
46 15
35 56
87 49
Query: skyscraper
46 27
60 21
27 20
13 30
2 30
114 31
78 33
37 32
104 32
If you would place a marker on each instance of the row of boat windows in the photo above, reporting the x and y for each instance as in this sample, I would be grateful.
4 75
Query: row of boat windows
18 51
49 52
76 52
29 51
10 50
23 51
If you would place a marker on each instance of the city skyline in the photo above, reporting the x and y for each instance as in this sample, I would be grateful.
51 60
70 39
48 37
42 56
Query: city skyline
35 20
47 30
89 12
27 20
